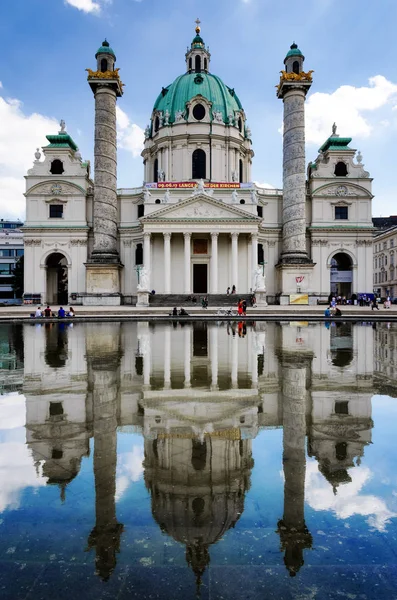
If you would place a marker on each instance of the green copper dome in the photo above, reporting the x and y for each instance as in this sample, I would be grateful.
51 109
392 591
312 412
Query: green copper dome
294 51
105 49
185 87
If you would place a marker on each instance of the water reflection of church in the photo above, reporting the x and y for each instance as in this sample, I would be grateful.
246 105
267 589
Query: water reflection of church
198 396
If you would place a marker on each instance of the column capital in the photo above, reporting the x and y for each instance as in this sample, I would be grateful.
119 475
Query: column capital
234 234
147 235
254 235
214 234
167 235
187 235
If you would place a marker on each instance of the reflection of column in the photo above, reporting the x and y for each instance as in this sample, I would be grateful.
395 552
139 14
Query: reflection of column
214 262
294 534
235 361
147 360
103 359
187 237
254 355
167 358
147 255
188 332
234 235
214 356
254 255
167 263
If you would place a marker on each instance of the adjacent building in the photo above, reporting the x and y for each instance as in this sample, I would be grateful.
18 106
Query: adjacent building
385 275
11 249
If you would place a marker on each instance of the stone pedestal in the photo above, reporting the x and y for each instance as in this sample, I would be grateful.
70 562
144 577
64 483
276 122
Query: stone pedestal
102 285
260 296
142 298
287 280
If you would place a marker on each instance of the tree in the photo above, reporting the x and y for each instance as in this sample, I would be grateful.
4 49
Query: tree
17 277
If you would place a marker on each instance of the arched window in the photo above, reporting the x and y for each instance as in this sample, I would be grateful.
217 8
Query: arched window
241 171
190 64
156 124
340 169
104 65
57 167
157 201
205 64
199 455
295 67
197 64
139 254
242 201
240 124
156 170
199 164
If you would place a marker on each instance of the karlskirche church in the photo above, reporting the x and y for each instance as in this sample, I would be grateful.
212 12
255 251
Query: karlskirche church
198 225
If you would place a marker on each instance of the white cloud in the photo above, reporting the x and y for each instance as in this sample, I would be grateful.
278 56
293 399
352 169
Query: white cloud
1 85
349 500
130 136
350 107
87 6
129 469
17 471
264 185
20 135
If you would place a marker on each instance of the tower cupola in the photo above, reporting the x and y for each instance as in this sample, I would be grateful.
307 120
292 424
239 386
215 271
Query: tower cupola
294 60
198 57
105 57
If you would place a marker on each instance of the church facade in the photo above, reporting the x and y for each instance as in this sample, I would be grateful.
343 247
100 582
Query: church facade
198 225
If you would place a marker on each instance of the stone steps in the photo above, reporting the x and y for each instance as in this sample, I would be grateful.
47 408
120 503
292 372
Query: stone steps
182 299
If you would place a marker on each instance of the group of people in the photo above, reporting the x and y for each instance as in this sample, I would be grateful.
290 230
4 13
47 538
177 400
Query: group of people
47 312
232 291
332 311
182 312
242 307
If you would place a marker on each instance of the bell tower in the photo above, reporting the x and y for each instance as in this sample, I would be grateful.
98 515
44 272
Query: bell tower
198 57
103 266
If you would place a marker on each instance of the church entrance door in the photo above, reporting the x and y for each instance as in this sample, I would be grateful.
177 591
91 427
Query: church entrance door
200 278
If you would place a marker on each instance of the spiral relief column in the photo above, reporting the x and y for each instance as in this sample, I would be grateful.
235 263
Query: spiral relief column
103 276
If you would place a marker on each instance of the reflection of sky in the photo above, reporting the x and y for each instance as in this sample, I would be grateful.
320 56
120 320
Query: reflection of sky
17 470
129 469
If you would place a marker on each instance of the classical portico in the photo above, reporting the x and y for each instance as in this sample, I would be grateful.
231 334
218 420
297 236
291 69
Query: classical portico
200 246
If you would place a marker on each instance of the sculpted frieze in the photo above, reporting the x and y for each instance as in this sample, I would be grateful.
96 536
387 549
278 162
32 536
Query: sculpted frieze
32 242
55 189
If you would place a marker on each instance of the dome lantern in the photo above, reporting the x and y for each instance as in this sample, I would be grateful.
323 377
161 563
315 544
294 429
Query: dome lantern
294 60
198 57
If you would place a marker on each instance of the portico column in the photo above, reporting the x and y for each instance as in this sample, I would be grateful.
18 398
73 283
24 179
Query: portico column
214 262
234 235
167 263
254 255
187 237
147 255
187 383
235 361
214 356
167 358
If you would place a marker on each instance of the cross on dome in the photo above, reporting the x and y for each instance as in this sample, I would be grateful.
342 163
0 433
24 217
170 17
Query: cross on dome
198 23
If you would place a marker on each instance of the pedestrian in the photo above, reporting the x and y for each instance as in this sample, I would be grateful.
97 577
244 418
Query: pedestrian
244 307
38 312
374 304
47 311
233 289
240 307
228 291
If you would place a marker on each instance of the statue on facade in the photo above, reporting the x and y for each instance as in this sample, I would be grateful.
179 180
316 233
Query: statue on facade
234 176
254 196
231 119
63 126
146 194
359 157
167 117
259 280
248 132
161 175
37 154
166 197
234 196
161 119
147 132
179 116
217 116
334 129
143 284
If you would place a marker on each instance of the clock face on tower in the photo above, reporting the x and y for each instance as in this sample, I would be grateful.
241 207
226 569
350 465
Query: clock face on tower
56 189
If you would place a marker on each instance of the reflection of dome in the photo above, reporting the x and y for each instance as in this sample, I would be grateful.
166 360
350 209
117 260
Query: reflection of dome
197 490
185 87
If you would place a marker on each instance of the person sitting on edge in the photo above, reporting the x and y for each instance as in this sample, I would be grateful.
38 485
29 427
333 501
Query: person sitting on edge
38 313
175 312
47 312
61 313
183 313
327 312
337 312
71 312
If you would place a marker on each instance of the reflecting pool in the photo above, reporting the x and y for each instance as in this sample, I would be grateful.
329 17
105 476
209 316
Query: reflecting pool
211 460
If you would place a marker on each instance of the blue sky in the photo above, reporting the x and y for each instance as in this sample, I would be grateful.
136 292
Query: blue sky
351 46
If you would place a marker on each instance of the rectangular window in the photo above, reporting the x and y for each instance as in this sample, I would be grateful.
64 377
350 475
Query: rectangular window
391 243
376 277
6 252
56 409
384 245
341 212
19 252
6 268
56 211
342 408
260 211
141 210
200 246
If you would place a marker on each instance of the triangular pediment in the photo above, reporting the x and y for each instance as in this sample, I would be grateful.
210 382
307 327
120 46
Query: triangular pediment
199 208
